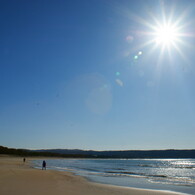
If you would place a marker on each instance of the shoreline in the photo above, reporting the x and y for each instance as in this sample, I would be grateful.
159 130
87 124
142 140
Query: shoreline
21 178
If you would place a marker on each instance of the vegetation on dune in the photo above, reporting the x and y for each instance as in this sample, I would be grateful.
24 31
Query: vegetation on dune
25 152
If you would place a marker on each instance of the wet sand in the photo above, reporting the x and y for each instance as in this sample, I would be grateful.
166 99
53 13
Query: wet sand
21 178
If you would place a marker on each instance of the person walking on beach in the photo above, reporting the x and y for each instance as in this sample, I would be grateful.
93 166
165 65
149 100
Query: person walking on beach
24 160
44 165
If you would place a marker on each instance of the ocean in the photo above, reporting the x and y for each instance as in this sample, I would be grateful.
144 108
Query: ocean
162 174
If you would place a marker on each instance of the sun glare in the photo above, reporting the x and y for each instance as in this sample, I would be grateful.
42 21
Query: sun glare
166 35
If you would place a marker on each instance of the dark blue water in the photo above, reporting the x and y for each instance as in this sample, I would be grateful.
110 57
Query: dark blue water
166 174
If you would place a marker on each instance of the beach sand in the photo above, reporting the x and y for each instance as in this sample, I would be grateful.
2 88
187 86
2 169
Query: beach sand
18 178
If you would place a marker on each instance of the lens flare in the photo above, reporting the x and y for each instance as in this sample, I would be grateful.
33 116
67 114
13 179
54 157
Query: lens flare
135 57
118 73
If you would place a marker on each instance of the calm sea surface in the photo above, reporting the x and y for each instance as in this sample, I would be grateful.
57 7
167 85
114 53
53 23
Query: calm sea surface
163 174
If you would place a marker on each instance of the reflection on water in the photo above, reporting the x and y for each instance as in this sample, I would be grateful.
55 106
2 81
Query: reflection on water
170 174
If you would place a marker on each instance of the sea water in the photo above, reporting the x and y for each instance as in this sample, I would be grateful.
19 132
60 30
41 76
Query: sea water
162 174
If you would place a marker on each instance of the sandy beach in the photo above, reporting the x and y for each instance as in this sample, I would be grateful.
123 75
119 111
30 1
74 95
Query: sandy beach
17 177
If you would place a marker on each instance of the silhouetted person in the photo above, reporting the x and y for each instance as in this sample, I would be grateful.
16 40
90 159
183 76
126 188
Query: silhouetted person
24 160
44 165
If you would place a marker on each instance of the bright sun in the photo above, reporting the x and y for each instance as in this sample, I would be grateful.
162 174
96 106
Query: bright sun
166 35
163 33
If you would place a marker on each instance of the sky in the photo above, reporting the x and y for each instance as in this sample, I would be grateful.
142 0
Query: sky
97 74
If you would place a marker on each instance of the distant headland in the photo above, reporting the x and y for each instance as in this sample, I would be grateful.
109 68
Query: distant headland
67 153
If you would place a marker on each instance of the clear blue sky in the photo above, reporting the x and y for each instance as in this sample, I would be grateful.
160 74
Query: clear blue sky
80 74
